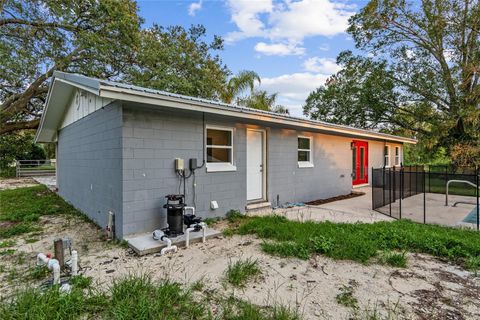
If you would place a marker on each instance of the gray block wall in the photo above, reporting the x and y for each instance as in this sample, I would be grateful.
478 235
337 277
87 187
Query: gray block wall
330 175
89 165
152 139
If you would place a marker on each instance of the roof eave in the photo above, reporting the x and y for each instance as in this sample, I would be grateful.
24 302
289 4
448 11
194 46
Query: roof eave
126 94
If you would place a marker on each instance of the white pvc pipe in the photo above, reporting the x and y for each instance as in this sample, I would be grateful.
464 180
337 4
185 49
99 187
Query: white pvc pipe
74 262
169 246
187 236
204 230
52 264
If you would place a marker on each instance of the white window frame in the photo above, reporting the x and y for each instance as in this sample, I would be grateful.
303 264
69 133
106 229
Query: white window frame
220 166
306 164
397 156
387 156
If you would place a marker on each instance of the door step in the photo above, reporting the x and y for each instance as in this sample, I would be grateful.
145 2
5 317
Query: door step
258 206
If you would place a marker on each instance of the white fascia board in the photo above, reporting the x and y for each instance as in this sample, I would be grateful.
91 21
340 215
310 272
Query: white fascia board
124 94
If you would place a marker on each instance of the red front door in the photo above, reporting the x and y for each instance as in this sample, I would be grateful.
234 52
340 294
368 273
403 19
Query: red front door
359 162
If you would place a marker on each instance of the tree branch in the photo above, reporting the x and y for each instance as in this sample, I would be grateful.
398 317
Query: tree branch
20 125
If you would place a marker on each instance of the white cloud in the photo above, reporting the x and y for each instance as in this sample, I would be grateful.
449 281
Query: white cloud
246 16
287 21
300 19
279 49
322 65
194 7
293 89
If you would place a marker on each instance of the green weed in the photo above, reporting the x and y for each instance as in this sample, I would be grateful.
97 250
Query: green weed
81 281
473 264
346 298
38 273
241 271
394 259
7 243
234 216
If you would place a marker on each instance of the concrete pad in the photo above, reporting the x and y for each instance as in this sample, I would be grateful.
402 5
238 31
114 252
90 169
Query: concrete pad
144 244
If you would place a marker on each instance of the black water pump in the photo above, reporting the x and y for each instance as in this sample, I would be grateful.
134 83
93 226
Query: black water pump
177 216
175 206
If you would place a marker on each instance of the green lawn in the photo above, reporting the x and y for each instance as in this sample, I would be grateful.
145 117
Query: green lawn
361 241
20 209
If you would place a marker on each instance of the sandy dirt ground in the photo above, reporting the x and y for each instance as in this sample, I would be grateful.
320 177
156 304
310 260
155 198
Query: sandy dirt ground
14 183
427 289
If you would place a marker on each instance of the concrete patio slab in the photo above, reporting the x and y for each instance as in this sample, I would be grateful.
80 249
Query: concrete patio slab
144 243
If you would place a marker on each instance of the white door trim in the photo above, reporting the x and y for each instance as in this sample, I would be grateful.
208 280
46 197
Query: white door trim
264 164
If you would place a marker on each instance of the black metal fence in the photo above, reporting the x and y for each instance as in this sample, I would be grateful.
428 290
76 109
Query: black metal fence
421 193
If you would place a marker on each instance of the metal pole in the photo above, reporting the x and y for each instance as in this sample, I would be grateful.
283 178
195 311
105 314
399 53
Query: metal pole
401 191
373 182
424 202
477 171
383 185
390 191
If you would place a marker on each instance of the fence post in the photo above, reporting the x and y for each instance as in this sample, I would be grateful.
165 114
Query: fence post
401 191
390 191
383 185
477 174
424 200
16 168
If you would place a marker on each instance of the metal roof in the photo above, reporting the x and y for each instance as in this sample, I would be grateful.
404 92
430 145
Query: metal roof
98 85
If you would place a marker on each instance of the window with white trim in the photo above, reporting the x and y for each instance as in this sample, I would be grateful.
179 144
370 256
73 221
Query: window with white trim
219 147
397 156
304 154
386 153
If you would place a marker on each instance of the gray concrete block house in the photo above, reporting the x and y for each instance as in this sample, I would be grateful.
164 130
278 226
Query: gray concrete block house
117 144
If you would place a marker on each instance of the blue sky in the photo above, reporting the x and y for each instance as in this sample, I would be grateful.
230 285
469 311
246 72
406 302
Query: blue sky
292 45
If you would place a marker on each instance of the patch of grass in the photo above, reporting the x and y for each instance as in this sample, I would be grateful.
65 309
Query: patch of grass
346 298
31 240
81 281
211 221
7 252
228 232
7 243
234 216
235 309
394 259
140 298
240 272
38 273
360 241
133 298
473 264
23 207
198 285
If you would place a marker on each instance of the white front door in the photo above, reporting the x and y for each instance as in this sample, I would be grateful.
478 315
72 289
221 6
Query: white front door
255 165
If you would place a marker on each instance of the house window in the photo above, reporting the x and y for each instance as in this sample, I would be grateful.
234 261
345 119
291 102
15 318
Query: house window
397 156
386 154
304 152
219 147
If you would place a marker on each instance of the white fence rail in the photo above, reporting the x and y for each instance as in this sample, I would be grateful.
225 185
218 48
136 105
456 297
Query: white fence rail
35 168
